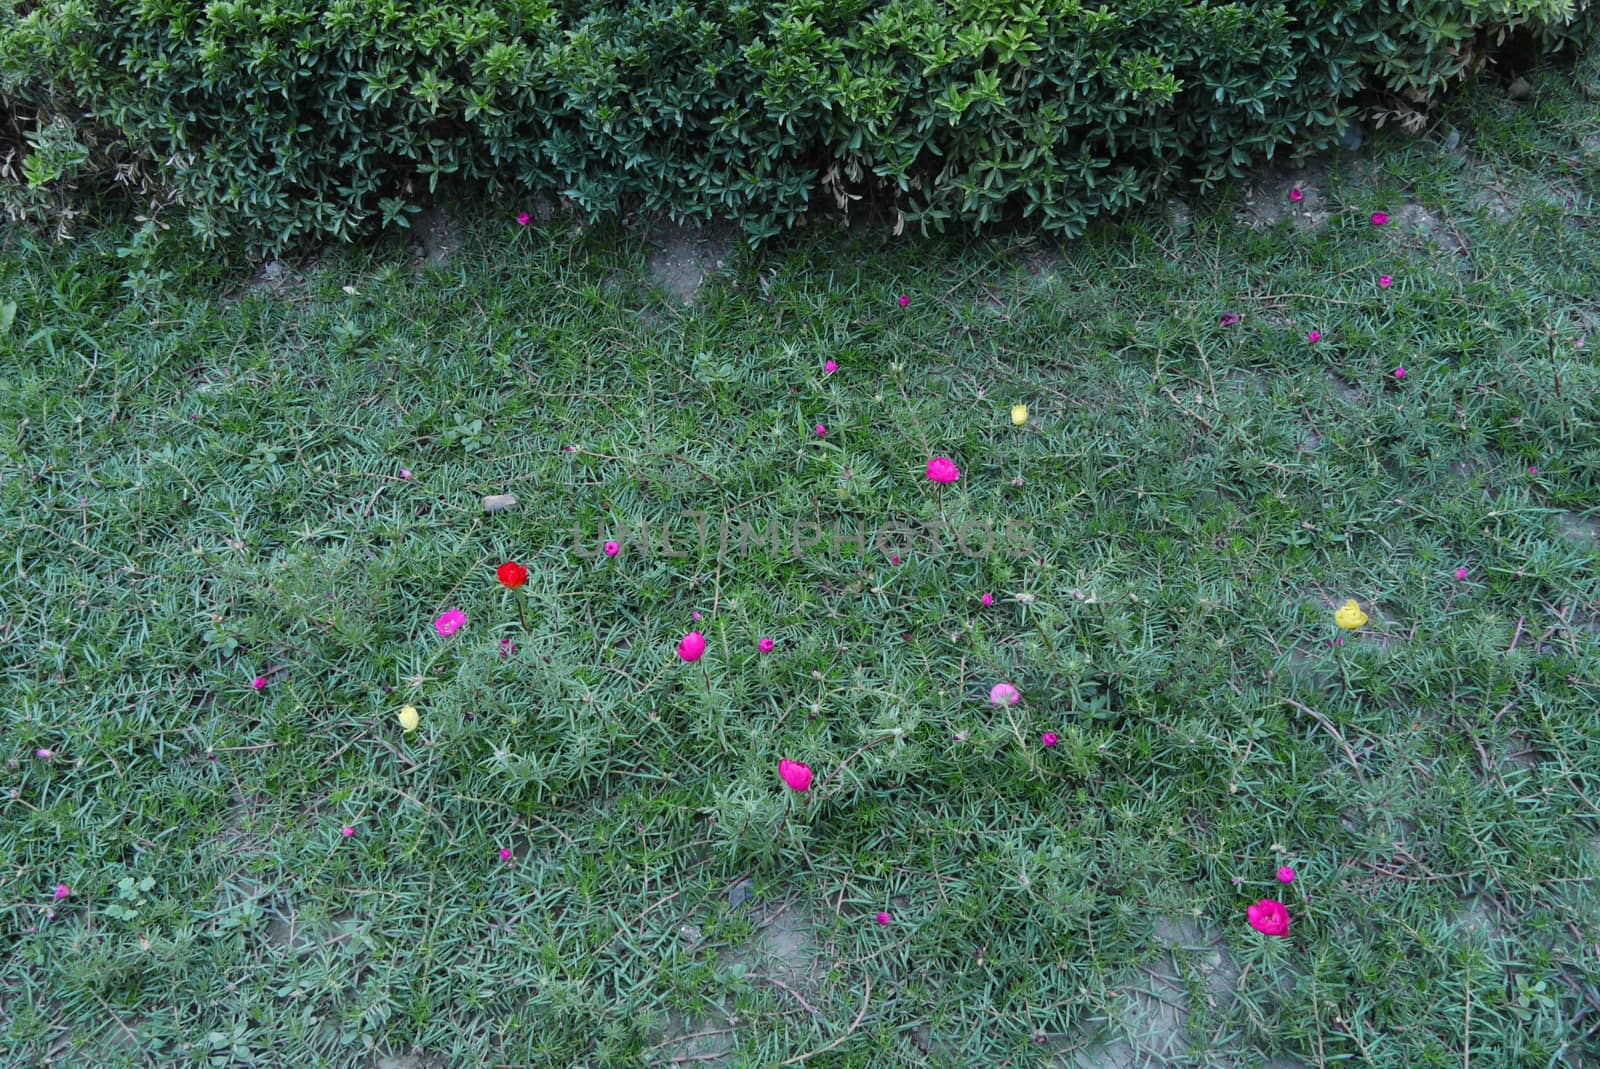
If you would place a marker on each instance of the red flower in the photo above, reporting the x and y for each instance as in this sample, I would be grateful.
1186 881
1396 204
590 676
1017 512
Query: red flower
512 574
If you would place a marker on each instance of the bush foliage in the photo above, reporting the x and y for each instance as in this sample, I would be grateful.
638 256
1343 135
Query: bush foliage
287 120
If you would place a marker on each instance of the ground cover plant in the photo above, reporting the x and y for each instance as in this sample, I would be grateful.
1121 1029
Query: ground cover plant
315 757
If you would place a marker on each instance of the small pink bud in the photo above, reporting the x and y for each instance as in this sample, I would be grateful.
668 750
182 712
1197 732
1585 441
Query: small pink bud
1533 469
1399 372
523 218
1286 874
1314 337
1384 282
260 682
405 473
766 645
895 559
884 919
347 831
1049 739
62 891
612 549
44 755
1461 575
1296 195
903 300
821 430
1380 218
829 368
987 599
505 853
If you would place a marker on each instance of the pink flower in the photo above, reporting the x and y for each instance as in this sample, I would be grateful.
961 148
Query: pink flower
1286 874
1579 343
44 755
523 218
259 682
612 549
829 368
505 853
1296 195
1384 282
62 891
405 473
696 615
1461 575
795 775
894 559
449 621
1399 372
884 919
1004 694
347 831
1269 917
1314 337
943 470
903 300
1380 218
1533 469
692 647
1049 739
1230 319
987 599
821 430
766 645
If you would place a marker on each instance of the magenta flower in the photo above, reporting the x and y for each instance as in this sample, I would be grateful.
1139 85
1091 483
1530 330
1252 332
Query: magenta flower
895 559
821 430
1384 282
347 831
692 647
1296 195
766 645
884 919
523 218
1049 739
62 891
1461 575
1004 694
1314 337
696 615
829 368
796 776
943 470
1230 319
1380 218
44 755
449 622
1286 874
259 682
1533 469
1399 372
987 599
1269 917
903 300
507 647
405 473
505 853
612 549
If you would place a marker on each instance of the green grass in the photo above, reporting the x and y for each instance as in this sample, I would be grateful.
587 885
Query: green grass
195 491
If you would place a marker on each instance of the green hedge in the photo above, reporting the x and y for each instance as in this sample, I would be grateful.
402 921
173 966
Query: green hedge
286 120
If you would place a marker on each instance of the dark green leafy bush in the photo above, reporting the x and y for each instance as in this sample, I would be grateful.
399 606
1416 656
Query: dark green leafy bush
285 120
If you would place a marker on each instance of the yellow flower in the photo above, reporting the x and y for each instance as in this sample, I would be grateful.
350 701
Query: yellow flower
409 719
1350 616
1019 415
